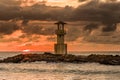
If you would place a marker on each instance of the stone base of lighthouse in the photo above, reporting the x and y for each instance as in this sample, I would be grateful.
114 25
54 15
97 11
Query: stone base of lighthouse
60 48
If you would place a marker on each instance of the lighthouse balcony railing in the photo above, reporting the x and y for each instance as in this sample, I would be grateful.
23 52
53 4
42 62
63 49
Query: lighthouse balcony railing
60 32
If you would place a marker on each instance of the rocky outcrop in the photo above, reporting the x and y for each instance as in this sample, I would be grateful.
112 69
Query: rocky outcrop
49 57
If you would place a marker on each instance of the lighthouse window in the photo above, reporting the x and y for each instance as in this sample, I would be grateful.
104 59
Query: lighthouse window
61 27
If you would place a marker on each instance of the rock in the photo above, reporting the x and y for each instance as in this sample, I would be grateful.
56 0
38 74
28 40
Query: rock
49 57
47 53
111 60
1 61
14 59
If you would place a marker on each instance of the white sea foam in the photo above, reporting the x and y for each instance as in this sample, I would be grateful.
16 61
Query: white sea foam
58 71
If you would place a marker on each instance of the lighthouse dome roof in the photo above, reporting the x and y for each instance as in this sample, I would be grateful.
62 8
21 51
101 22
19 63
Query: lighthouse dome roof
60 22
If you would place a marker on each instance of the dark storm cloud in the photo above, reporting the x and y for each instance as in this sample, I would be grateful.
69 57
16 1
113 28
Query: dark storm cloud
73 33
43 12
10 2
8 27
38 30
105 38
97 0
90 27
107 13
9 9
25 21
82 0
109 27
91 11
98 11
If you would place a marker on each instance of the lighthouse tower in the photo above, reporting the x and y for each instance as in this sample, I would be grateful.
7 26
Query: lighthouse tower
60 47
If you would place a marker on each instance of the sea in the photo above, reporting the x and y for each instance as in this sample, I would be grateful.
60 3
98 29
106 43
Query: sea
57 71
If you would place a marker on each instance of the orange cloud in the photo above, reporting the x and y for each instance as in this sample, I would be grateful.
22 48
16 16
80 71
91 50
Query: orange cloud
48 47
31 2
63 3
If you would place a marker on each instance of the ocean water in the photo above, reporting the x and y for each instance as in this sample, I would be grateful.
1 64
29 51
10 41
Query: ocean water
57 71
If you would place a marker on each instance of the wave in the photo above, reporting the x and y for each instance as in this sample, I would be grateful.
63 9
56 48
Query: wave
73 71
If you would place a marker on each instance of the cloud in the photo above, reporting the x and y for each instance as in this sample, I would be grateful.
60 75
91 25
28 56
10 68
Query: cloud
36 11
9 9
10 2
82 0
104 38
106 13
99 0
25 3
93 10
98 11
8 27
90 27
102 12
109 27
43 12
25 21
38 30
73 33
51 38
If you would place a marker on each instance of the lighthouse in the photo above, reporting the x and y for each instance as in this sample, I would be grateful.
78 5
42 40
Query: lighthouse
60 47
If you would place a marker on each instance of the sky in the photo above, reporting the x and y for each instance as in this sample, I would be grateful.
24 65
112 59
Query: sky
92 25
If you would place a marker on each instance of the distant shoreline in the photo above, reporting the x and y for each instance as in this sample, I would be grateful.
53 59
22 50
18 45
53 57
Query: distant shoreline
68 51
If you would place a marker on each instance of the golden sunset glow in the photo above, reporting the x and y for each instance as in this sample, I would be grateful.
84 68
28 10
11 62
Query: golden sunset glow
60 3
63 3
27 51
31 2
